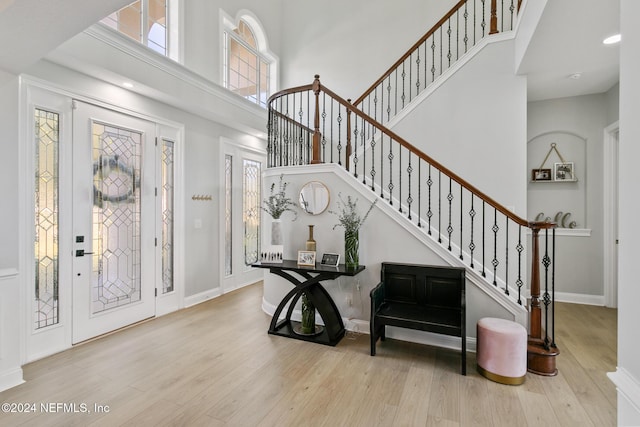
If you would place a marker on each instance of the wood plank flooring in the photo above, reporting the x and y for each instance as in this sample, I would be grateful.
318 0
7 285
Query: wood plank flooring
215 365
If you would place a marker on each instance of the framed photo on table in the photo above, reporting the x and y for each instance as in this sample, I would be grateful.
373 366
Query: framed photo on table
330 259
307 258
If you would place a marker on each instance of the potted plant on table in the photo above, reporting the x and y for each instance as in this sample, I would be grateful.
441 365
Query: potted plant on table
351 221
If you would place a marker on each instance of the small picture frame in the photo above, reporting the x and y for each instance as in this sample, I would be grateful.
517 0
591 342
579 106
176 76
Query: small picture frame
541 175
330 259
307 258
563 171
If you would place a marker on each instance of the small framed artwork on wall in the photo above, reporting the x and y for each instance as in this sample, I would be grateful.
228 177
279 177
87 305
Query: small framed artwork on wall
541 175
563 172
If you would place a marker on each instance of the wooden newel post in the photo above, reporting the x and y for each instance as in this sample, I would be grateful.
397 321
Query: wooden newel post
541 359
535 311
316 122
493 23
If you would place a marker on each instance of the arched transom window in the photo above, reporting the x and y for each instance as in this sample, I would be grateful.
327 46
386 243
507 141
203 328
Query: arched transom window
247 67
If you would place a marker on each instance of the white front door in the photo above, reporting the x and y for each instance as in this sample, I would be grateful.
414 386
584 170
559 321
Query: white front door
113 241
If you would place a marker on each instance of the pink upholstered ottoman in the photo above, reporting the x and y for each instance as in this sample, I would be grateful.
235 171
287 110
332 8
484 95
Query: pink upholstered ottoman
501 350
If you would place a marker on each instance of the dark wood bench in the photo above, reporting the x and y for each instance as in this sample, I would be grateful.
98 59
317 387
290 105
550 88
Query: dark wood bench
423 297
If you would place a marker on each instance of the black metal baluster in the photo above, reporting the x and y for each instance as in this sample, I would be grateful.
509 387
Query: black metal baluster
439 206
474 22
418 71
389 100
355 149
429 211
553 289
396 94
419 193
449 43
441 47
339 146
511 9
331 132
410 75
546 261
433 57
457 34
409 198
484 229
324 139
425 63
484 22
390 186
364 153
373 157
402 97
449 227
400 178
506 258
461 233
382 163
472 245
466 33
519 248
495 261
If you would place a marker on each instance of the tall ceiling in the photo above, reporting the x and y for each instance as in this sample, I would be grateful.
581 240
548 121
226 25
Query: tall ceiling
568 40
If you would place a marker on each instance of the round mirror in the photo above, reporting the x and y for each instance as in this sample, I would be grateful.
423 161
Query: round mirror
314 197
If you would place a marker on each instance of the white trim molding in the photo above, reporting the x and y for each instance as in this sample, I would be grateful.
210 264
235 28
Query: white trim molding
628 397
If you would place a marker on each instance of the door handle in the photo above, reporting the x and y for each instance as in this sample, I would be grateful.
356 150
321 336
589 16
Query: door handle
81 252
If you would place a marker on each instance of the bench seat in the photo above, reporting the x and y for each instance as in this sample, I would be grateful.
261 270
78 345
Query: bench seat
420 297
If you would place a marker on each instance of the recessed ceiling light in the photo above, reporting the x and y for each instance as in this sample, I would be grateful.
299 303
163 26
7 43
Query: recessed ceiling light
127 85
575 76
612 39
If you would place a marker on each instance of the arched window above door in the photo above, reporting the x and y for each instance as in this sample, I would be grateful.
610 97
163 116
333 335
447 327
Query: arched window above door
249 68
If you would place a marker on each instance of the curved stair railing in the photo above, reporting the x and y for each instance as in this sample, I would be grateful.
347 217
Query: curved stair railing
464 26
311 124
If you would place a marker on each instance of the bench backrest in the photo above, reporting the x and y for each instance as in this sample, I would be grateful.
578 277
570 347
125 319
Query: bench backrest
428 285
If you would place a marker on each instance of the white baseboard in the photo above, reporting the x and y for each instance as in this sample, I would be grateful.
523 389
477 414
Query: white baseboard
580 298
202 297
11 379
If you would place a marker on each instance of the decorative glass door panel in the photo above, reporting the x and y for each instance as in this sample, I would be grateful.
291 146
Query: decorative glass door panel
116 217
114 243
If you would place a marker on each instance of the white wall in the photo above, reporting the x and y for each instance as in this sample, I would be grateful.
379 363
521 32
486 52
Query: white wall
9 170
627 376
577 125
202 36
350 44
474 124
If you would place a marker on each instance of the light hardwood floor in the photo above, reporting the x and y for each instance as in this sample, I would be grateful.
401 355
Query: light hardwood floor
215 364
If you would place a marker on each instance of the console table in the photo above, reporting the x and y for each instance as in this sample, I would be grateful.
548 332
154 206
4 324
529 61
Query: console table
311 285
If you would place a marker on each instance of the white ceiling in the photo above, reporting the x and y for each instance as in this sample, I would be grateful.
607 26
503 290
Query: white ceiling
568 40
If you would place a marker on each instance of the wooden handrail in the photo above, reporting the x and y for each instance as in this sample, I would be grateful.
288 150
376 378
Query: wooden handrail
292 121
411 49
455 177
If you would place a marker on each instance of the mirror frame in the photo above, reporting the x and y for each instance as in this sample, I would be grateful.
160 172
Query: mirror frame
310 185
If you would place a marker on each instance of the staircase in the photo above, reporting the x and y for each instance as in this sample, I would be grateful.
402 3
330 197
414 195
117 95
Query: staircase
311 124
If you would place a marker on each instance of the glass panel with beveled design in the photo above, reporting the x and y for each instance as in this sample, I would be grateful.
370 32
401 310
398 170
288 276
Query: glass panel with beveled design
46 218
251 210
228 215
167 215
116 217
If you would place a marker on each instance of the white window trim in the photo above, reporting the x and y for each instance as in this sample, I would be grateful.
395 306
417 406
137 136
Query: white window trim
228 24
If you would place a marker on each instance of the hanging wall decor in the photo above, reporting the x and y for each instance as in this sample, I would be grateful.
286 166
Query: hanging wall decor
563 171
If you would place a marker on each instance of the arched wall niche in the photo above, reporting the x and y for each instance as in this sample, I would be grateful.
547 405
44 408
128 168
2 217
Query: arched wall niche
555 199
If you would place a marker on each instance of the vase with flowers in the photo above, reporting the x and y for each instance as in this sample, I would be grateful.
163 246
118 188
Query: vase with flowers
276 205
351 221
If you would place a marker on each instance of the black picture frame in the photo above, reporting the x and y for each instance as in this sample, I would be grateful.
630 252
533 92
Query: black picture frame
330 259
